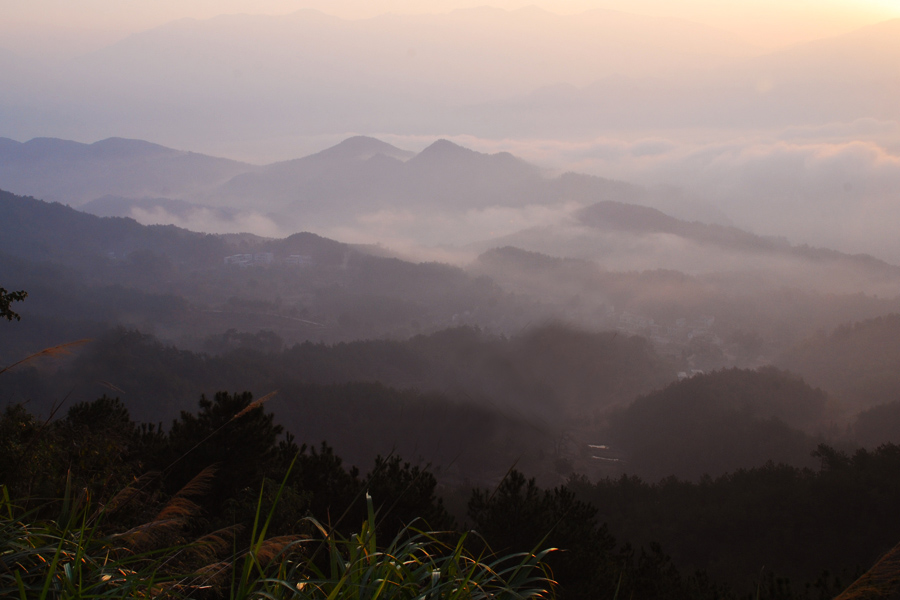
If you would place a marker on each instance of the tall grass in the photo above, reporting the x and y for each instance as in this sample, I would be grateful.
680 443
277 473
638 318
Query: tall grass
71 557
414 565
881 581
68 557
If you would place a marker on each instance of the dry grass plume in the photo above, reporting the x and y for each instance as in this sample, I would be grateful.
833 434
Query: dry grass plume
881 582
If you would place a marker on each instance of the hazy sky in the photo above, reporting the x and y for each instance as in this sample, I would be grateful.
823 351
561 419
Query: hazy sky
55 26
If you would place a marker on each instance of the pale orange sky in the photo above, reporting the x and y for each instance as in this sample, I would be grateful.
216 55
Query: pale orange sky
64 26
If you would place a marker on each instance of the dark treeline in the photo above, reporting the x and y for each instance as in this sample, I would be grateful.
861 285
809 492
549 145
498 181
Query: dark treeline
775 518
858 362
459 398
718 422
769 532
221 457
470 404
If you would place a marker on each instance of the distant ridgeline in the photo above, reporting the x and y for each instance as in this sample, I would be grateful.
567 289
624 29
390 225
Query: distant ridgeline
43 231
89 272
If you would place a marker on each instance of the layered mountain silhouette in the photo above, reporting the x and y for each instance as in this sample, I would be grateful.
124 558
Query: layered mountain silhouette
625 237
611 222
75 173
358 176
49 231
364 174
82 270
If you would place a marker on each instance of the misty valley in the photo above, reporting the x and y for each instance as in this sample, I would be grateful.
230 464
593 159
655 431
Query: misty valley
686 409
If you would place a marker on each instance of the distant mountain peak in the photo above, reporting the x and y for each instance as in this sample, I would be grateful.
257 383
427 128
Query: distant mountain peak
116 146
446 152
471 164
60 149
444 147
361 147
120 142
620 215
51 142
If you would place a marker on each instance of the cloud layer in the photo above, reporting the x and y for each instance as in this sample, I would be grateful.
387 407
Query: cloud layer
836 185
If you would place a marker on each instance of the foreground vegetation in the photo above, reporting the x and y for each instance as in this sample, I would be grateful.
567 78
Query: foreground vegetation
223 504
204 484
75 555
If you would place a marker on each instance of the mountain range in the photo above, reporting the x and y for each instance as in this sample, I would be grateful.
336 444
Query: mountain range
74 173
362 179
360 176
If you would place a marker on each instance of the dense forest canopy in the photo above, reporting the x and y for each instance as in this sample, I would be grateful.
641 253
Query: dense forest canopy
857 362
672 539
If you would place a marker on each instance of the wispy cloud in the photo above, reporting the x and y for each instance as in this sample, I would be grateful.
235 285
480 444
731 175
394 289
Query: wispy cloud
835 185
212 221
407 229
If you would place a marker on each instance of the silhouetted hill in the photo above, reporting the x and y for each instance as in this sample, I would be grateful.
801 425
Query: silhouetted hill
858 363
622 236
720 422
49 231
878 425
45 231
360 147
618 216
704 320
460 389
75 173
445 154
509 257
446 175
8 146
304 287
335 187
363 175
329 186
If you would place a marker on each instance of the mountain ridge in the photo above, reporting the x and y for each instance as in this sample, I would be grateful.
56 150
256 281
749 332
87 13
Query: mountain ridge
354 178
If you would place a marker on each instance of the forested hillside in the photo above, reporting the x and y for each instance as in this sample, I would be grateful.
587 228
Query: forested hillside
857 362
554 401
449 398
716 423
94 272
460 399
734 536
